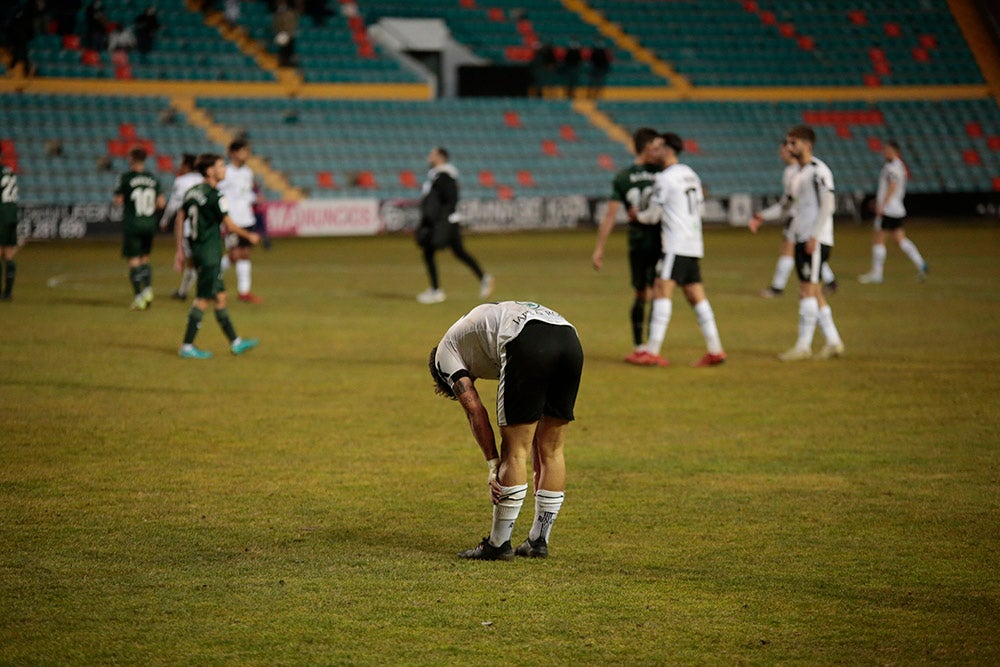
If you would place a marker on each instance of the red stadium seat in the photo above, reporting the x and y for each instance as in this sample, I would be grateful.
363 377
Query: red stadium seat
519 54
511 119
974 129
117 148
993 142
487 179
928 41
691 146
921 55
71 42
768 18
505 192
90 57
550 147
893 30
525 179
787 29
606 162
750 6
844 131
875 144
164 163
7 147
806 43
872 80
568 133
408 179
123 72
468 4
971 157
324 179
496 14
127 131
366 179
996 183
857 17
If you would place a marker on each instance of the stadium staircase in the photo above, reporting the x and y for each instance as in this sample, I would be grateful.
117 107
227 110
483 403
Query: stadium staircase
352 122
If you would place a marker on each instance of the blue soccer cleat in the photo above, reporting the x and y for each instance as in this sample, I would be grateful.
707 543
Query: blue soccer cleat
191 352
241 345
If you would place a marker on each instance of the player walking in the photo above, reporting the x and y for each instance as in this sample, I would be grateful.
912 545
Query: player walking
206 209
8 231
238 187
813 228
632 188
675 207
890 213
187 178
536 356
140 194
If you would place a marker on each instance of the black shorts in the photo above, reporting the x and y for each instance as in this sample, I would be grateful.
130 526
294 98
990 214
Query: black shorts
137 244
682 270
643 267
889 223
808 266
209 280
539 374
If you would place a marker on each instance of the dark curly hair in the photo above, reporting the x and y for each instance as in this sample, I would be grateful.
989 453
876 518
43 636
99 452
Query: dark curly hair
441 386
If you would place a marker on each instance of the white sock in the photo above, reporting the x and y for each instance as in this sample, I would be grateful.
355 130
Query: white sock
907 246
242 276
226 263
706 320
782 270
188 278
505 513
827 326
808 314
827 274
547 504
659 320
878 259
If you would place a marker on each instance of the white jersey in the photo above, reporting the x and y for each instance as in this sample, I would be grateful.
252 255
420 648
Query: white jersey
238 189
812 181
892 172
182 184
476 343
678 195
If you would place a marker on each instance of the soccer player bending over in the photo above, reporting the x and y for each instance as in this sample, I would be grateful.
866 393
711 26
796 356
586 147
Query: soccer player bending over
536 357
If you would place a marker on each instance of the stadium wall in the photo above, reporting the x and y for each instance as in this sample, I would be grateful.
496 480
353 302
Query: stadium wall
370 216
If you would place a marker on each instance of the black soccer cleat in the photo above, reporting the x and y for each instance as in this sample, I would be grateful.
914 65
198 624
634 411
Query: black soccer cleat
486 551
533 548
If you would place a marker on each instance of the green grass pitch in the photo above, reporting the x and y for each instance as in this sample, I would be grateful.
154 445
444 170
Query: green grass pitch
304 504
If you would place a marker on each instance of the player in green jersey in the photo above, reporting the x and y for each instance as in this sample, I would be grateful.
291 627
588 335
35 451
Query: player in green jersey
8 230
140 193
206 210
632 188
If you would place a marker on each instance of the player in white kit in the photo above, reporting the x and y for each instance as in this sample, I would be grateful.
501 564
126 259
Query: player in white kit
676 206
890 214
187 177
781 211
238 188
535 355
812 225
